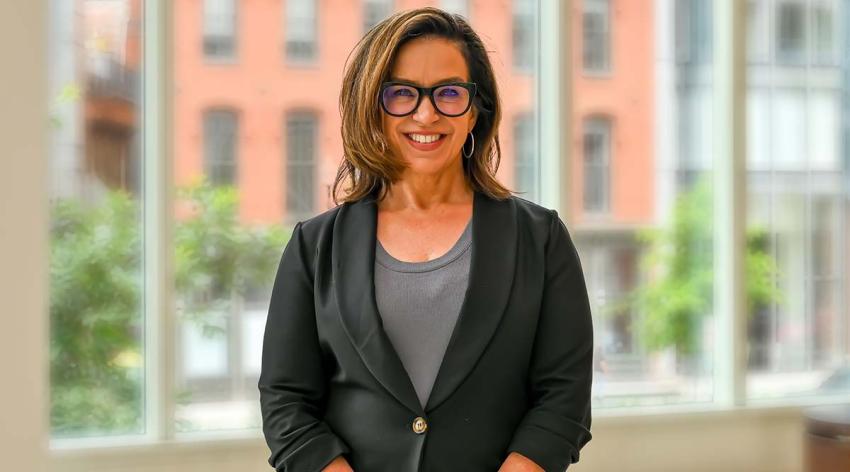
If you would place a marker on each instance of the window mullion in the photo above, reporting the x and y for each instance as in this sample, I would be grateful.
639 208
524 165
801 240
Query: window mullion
158 325
729 133
553 105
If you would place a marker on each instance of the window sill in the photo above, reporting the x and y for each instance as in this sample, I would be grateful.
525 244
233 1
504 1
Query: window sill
234 440
785 407
122 445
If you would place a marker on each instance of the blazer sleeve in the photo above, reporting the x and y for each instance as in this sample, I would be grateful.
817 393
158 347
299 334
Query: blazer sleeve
557 425
292 381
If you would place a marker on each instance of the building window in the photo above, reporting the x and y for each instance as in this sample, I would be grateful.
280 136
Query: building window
596 29
460 7
524 35
300 27
301 138
219 29
526 162
757 31
823 33
374 11
790 32
220 146
597 164
682 30
693 31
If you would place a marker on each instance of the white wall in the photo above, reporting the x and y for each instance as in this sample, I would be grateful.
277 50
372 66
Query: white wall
23 235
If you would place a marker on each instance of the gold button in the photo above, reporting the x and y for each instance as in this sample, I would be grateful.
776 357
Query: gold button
419 425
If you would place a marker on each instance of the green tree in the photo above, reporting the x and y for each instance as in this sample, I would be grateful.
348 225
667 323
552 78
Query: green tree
678 264
96 296
94 313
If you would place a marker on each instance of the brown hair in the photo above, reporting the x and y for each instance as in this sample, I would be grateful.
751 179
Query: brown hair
368 165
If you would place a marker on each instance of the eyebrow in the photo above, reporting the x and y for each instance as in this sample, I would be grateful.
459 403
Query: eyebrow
413 82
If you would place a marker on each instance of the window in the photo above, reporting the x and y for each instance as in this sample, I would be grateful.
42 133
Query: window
461 7
597 164
790 32
596 29
103 190
692 30
527 165
221 146
757 31
796 184
98 231
823 33
220 29
374 11
642 202
682 29
301 134
524 46
300 25
611 267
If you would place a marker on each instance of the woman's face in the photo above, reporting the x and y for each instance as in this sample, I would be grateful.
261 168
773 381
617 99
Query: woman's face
427 62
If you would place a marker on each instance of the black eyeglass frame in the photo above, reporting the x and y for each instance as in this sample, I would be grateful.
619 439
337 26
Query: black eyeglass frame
472 87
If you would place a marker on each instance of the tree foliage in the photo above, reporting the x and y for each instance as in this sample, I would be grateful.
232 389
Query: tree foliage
96 296
677 265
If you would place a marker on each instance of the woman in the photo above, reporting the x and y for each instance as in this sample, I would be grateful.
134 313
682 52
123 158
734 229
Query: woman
432 321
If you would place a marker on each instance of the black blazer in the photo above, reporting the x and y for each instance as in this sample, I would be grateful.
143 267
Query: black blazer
516 374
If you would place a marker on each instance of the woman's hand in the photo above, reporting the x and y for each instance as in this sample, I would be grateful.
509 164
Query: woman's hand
338 465
517 462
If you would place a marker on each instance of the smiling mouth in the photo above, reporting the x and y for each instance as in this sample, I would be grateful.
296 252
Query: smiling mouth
431 139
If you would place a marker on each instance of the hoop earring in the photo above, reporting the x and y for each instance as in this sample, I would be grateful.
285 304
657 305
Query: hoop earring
463 148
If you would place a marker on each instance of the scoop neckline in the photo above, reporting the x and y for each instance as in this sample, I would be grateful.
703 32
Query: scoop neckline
460 246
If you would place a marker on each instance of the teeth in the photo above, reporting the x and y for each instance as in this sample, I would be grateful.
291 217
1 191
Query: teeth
424 139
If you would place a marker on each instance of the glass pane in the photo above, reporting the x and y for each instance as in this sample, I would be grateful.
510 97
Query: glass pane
823 34
460 7
790 31
796 218
642 197
96 231
219 23
526 158
284 145
596 35
300 26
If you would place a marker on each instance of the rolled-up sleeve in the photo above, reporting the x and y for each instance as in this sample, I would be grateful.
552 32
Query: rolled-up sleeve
557 425
292 382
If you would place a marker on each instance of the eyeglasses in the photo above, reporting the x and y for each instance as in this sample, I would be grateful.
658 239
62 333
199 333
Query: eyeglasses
452 99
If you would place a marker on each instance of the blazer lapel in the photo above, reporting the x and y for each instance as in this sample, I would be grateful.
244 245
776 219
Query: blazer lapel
491 276
491 273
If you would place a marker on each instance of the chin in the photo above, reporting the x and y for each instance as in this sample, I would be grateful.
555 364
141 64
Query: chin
426 164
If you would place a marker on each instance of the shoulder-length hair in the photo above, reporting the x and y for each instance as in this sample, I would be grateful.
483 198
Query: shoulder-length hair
368 165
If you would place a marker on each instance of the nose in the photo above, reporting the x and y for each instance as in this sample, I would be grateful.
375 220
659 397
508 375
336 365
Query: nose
425 113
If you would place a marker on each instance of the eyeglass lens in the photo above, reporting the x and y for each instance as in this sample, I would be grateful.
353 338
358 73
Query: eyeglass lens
402 99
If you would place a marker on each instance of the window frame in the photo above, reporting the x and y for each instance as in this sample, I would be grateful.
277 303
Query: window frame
791 58
231 58
365 25
518 23
295 60
297 117
451 6
598 125
524 130
601 8
212 163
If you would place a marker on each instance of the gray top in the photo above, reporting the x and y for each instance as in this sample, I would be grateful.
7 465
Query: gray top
419 303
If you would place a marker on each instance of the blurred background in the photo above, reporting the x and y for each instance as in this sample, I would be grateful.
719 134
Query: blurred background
187 137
